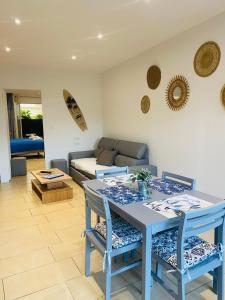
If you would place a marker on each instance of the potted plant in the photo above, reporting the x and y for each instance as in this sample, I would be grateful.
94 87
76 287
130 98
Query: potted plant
142 177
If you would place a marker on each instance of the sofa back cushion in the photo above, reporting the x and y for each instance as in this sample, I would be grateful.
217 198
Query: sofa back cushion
106 157
132 149
123 161
107 143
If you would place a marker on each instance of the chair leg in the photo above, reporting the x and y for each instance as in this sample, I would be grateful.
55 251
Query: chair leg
181 289
108 279
88 257
133 253
126 257
220 283
159 270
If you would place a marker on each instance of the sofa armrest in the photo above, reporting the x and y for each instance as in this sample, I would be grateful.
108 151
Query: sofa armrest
81 154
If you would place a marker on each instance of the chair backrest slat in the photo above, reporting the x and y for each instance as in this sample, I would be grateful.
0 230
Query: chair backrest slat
204 219
201 229
196 222
95 202
185 181
111 172
99 204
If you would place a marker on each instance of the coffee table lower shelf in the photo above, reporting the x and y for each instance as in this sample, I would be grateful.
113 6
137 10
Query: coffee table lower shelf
54 194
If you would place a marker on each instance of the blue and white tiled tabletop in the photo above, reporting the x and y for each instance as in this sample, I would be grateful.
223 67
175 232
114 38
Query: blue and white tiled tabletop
122 191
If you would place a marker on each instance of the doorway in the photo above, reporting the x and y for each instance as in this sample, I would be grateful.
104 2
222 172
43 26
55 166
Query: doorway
26 134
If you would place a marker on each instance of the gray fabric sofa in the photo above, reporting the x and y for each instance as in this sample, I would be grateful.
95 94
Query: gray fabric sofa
132 154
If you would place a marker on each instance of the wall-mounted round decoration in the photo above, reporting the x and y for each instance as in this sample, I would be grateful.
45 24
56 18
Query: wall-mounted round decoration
145 104
74 110
153 77
177 92
222 96
207 59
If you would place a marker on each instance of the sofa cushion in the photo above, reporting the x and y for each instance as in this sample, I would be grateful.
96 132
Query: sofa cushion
107 143
87 165
132 149
98 152
106 157
123 161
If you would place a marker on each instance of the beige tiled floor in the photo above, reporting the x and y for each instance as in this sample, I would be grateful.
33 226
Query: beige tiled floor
42 251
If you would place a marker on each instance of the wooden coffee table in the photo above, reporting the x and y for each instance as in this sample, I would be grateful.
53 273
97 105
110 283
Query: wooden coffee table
51 190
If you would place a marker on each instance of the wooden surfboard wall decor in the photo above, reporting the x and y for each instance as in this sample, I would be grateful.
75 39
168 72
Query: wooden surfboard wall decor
74 110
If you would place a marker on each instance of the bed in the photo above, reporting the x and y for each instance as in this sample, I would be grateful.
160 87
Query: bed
26 146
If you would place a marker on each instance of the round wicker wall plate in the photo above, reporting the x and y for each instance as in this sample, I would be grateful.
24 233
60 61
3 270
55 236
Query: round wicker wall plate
177 92
153 77
222 95
145 104
207 59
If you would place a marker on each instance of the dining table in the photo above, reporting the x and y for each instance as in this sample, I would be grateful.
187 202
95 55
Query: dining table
149 222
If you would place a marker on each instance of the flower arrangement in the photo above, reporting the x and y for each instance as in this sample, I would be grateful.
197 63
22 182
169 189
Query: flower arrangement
141 175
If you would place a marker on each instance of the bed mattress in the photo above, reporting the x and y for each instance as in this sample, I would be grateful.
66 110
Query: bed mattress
25 145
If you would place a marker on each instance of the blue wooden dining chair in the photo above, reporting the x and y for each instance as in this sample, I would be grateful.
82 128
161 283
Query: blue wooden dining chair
117 171
111 238
187 256
188 183
182 180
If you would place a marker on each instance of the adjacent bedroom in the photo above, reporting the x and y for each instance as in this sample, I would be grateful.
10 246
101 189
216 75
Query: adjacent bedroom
26 133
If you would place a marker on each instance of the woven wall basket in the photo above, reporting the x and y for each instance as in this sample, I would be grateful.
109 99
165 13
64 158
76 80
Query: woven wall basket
222 95
153 77
207 59
145 104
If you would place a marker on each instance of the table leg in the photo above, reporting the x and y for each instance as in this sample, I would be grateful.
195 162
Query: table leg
147 263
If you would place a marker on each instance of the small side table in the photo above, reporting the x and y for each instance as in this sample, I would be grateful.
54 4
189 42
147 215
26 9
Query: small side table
60 164
18 166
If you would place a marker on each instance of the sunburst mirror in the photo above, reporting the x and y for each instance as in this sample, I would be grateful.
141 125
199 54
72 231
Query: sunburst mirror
177 92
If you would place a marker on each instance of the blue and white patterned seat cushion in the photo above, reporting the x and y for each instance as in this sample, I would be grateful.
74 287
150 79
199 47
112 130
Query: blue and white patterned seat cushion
123 233
196 250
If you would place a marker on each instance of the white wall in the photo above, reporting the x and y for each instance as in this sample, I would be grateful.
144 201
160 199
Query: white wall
5 169
61 133
189 142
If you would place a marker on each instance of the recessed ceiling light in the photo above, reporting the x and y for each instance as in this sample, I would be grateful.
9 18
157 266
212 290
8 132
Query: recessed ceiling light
74 57
7 49
100 36
17 21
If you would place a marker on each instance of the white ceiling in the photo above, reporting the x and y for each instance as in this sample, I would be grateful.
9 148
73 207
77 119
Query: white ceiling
54 30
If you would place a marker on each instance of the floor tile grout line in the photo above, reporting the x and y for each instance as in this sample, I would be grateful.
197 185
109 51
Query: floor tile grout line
3 287
199 287
28 270
41 290
47 264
